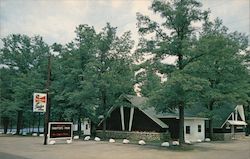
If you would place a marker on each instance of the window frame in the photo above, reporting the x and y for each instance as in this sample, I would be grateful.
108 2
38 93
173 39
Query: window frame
188 129
199 128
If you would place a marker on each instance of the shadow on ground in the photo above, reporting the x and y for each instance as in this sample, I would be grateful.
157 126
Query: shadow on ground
10 156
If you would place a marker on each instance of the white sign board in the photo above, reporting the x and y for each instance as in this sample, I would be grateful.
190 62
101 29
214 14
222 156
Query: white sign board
60 130
39 102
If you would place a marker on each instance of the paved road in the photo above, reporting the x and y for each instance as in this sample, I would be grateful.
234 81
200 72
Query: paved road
32 148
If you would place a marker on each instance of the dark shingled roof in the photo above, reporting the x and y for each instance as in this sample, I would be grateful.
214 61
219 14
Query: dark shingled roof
221 114
141 102
197 111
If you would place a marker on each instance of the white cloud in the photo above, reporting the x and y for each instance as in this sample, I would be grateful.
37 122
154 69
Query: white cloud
56 20
141 6
116 3
234 13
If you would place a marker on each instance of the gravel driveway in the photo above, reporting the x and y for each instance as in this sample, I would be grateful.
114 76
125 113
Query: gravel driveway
32 148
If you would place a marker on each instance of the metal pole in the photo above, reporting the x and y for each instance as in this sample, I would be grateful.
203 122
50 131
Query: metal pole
47 113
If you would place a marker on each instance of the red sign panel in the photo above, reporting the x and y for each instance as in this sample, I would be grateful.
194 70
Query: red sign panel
39 102
60 130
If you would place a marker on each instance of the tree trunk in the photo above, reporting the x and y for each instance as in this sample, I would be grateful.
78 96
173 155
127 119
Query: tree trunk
104 128
11 125
104 103
247 119
79 127
29 126
93 129
19 121
181 106
211 131
210 122
23 126
181 125
33 122
5 124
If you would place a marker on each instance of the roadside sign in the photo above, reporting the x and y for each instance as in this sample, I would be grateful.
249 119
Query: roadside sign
60 130
39 102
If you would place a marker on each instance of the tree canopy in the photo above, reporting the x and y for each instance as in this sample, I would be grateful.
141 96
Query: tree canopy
92 71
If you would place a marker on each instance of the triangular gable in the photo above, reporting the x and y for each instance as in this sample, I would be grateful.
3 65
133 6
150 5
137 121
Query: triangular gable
139 102
231 119
240 110
136 102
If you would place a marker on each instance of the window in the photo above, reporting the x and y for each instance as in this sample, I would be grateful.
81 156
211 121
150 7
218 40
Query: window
87 126
199 128
187 129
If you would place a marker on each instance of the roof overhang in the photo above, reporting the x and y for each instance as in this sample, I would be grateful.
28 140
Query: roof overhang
239 123
155 119
176 117
196 118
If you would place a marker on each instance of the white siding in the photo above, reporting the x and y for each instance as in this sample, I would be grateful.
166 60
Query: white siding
194 134
86 127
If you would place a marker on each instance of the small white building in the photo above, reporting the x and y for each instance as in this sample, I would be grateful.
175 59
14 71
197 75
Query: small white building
194 128
134 116
85 126
231 123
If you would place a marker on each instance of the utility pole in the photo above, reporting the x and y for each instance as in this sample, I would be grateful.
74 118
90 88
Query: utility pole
47 113
39 114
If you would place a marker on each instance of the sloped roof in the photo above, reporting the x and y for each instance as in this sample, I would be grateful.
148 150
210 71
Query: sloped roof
240 111
220 114
141 102
136 101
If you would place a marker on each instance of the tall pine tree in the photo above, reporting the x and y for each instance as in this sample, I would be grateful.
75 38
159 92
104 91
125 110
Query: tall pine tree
172 37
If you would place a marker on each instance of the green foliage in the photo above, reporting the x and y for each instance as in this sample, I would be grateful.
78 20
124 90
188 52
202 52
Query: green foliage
22 73
180 89
173 37
73 93
7 108
209 70
111 69
222 65
90 73
150 81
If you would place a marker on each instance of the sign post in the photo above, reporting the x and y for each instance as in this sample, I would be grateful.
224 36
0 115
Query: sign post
47 113
46 121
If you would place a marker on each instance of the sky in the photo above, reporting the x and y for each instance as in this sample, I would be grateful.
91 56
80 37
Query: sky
56 20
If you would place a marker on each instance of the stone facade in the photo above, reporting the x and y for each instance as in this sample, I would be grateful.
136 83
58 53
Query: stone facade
228 136
147 136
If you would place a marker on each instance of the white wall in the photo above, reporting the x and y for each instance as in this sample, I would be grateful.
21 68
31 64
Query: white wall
86 126
194 134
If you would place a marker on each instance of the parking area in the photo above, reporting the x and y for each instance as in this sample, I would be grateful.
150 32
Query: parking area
15 147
